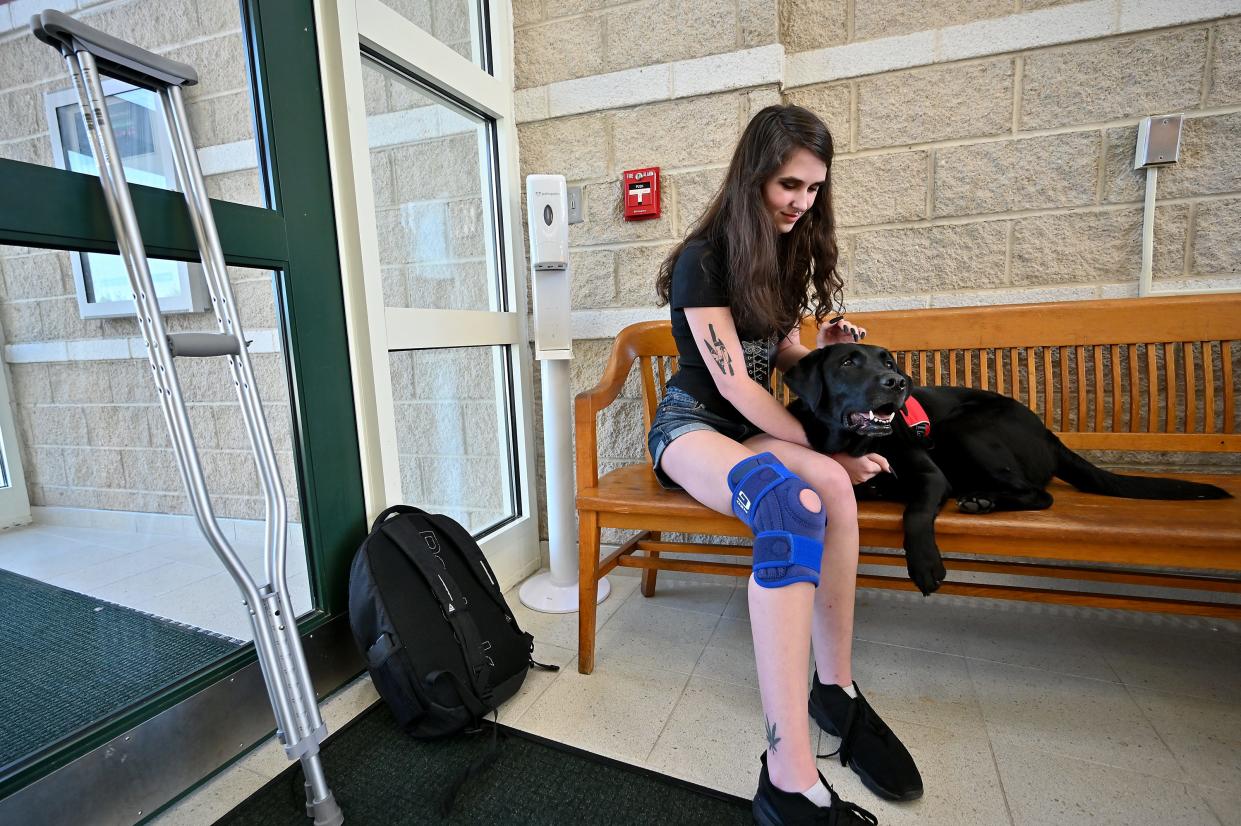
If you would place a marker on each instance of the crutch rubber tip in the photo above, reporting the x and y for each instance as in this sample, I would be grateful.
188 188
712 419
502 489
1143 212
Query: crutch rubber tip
327 813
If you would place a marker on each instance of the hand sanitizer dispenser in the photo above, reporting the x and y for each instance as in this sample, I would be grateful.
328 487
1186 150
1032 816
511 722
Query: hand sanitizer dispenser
547 203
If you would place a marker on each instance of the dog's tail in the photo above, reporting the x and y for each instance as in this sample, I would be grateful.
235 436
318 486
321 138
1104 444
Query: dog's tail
1086 477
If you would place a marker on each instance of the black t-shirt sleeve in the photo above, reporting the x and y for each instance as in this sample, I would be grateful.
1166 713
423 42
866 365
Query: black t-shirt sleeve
698 278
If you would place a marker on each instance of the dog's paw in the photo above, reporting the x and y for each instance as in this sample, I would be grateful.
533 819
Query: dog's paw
975 504
928 576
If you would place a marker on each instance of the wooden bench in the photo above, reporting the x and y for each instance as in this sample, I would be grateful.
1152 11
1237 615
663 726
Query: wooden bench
1149 375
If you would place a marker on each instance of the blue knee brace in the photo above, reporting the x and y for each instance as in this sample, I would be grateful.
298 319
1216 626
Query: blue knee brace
788 537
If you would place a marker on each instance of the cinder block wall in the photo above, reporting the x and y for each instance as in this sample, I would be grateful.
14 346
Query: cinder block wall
985 147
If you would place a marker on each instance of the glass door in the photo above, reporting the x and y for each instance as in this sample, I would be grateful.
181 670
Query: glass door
423 145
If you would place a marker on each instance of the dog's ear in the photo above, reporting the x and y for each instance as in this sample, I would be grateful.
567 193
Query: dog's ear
805 378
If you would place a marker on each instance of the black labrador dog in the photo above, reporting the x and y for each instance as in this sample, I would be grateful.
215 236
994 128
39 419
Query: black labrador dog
990 451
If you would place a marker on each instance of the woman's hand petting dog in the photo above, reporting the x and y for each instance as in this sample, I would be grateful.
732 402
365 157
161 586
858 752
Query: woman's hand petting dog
863 468
838 331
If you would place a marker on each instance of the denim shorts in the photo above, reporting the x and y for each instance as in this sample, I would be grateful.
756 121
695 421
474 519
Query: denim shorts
680 413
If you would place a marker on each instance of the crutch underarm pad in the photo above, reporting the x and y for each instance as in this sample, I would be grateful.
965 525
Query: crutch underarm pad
788 537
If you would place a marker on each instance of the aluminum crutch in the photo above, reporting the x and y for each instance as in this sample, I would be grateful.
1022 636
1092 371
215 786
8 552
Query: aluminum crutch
88 53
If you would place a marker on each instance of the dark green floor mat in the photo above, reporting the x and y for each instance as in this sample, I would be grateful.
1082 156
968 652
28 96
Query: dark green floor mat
68 660
381 776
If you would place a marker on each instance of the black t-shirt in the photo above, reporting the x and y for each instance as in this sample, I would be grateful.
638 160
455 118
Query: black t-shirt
699 279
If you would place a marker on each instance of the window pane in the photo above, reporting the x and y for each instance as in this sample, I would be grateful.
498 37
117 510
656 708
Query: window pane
93 436
454 433
455 23
434 207
100 280
203 33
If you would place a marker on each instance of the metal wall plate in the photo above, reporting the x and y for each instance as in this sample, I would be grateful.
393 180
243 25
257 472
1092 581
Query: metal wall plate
125 780
1159 141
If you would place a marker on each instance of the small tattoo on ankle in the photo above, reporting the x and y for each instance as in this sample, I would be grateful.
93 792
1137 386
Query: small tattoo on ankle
772 739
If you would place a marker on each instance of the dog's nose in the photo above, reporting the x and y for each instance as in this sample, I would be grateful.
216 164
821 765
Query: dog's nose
893 382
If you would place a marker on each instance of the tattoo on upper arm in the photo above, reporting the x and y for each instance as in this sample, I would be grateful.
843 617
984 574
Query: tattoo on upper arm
723 359
772 739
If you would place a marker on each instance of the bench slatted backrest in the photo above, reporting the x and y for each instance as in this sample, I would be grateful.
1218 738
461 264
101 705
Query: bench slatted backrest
1137 374
1193 380
1124 374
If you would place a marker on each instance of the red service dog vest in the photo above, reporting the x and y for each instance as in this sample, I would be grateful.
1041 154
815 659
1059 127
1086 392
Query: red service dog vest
915 416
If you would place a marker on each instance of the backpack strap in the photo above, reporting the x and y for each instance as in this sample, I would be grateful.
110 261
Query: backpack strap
452 600
395 509
468 549
476 707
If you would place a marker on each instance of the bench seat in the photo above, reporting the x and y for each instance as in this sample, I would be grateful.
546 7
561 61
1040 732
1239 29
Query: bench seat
1207 533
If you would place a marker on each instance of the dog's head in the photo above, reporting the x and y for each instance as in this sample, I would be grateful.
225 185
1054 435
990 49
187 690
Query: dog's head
855 387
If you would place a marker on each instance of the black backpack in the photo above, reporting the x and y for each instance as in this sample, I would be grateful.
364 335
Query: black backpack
428 616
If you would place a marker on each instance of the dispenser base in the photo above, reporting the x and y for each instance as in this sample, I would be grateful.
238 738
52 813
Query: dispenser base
539 593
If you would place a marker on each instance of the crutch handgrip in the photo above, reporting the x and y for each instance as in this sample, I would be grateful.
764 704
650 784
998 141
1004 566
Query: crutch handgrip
114 56
202 345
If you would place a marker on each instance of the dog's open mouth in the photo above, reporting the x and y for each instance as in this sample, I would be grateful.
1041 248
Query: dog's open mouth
877 422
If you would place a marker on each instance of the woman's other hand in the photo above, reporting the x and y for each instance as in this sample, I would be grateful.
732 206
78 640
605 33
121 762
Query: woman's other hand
862 468
838 331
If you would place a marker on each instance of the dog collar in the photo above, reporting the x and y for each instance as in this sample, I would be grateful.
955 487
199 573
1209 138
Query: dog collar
915 416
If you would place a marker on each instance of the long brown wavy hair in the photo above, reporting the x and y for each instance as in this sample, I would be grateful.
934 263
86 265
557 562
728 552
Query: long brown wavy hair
769 273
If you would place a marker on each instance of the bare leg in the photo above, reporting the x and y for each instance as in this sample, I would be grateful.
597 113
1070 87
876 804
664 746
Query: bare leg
835 596
832 627
779 622
779 617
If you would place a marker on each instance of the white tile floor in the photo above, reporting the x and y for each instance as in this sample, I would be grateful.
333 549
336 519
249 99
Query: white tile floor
1016 713
156 570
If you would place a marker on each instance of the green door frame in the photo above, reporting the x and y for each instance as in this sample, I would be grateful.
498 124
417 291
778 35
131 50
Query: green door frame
297 239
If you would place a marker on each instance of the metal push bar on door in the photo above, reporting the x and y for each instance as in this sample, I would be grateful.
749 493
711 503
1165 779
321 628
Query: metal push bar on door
88 54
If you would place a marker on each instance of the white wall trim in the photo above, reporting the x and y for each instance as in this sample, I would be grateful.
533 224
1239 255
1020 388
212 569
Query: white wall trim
228 157
111 349
1017 32
856 59
764 65
424 123
145 523
722 72
590 324
650 84
629 87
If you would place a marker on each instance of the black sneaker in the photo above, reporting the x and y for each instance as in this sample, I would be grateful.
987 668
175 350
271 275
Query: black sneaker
867 745
776 807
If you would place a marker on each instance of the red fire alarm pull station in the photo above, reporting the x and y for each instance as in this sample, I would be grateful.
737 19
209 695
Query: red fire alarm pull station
640 189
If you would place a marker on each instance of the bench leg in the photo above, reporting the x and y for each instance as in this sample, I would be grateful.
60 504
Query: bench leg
587 589
649 574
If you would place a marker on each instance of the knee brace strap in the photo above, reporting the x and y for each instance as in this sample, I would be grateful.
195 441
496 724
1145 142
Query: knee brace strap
788 537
